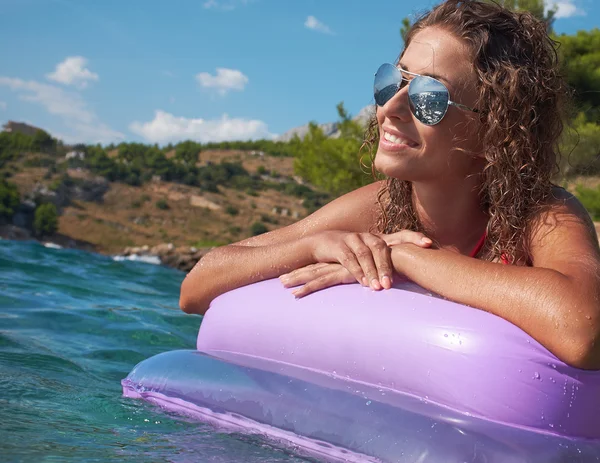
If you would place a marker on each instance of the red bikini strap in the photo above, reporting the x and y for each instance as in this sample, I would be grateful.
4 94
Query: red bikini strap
479 245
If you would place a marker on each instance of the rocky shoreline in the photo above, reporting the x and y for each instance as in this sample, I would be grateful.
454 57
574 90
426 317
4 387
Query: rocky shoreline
181 258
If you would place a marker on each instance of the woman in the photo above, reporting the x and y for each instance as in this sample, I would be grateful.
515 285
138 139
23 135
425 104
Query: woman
468 123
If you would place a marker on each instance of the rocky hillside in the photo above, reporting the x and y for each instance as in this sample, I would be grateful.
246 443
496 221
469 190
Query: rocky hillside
175 221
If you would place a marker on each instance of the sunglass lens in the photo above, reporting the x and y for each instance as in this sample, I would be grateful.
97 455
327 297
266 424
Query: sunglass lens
428 99
386 83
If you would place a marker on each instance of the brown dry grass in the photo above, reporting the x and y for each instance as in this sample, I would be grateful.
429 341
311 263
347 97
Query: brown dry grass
129 216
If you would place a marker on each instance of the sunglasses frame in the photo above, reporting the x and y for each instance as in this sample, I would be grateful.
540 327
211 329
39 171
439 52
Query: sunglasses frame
410 81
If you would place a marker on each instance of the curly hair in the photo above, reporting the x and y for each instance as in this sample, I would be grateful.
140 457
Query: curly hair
521 99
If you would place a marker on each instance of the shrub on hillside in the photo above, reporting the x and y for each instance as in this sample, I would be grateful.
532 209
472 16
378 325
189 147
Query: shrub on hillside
258 228
232 210
162 204
9 200
45 221
230 174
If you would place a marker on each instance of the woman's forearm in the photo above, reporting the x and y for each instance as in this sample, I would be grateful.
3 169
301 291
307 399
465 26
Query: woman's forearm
546 304
229 267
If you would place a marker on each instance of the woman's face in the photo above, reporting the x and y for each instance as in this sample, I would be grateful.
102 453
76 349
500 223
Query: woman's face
411 150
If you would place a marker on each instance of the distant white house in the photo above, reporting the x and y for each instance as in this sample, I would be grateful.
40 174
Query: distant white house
75 155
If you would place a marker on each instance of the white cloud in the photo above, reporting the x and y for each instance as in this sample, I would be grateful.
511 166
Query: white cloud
69 106
223 81
564 8
72 71
316 25
3 105
166 127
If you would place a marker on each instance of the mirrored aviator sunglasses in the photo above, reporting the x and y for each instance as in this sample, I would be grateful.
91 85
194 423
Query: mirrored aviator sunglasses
428 98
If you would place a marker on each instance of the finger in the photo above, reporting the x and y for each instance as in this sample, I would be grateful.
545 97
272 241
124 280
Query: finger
337 277
349 260
407 236
364 255
285 276
383 260
305 274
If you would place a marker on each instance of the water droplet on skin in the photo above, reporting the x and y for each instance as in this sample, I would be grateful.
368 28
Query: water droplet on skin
536 375
368 403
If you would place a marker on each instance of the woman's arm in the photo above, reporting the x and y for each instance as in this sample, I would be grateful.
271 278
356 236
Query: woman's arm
557 301
279 251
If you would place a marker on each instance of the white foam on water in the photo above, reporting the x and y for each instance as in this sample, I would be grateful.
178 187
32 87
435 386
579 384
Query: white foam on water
155 260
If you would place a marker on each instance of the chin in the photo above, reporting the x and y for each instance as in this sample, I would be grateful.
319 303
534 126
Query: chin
390 166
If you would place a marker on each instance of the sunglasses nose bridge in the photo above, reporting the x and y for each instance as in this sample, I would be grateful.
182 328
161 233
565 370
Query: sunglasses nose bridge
398 105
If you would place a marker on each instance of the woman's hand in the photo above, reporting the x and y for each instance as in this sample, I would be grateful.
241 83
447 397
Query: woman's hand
365 256
315 277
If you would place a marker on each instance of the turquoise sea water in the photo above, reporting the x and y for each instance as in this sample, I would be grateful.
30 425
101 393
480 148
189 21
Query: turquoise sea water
72 325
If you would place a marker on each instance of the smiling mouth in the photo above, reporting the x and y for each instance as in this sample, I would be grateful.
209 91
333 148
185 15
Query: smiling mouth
398 140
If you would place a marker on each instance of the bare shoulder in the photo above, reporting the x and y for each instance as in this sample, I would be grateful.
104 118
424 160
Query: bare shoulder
355 211
563 231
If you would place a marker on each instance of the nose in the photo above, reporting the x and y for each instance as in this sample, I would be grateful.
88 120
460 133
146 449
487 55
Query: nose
398 106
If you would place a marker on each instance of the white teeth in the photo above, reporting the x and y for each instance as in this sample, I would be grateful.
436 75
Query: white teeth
397 140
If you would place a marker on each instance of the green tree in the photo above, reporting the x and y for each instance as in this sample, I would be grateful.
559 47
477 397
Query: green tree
580 57
42 141
332 164
9 200
45 221
406 25
188 152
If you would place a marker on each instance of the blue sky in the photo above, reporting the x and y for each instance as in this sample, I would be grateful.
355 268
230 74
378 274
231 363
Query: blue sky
210 70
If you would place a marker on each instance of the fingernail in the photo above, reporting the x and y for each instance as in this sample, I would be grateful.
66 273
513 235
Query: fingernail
386 282
365 282
375 284
426 240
